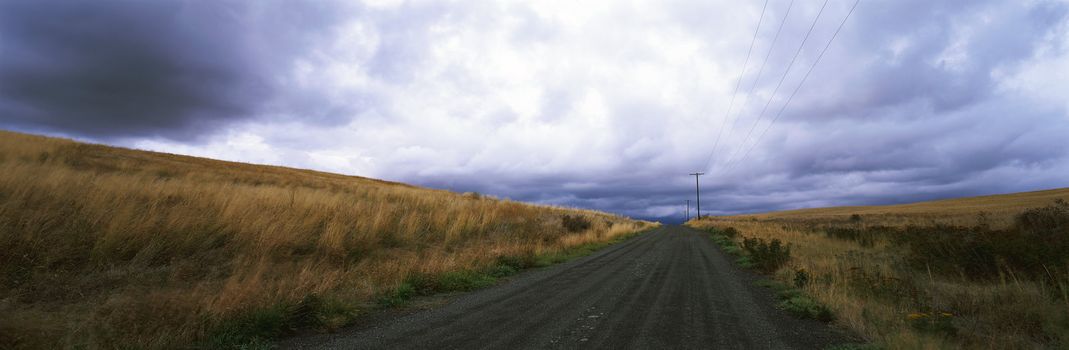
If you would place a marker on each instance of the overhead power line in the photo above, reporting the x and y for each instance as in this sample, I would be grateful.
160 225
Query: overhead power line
738 82
780 83
760 71
799 87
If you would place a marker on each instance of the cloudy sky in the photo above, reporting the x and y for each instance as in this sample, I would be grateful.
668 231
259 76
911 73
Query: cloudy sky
595 104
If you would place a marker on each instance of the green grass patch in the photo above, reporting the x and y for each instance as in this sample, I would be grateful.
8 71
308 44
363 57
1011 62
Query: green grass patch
804 307
724 238
795 302
255 329
396 297
250 330
500 270
744 262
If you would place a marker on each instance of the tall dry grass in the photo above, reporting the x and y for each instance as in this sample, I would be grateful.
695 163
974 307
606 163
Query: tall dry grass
105 247
876 288
999 210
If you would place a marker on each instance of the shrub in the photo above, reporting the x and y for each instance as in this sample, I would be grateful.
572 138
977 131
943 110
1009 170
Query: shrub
1036 245
766 256
801 278
575 223
1051 222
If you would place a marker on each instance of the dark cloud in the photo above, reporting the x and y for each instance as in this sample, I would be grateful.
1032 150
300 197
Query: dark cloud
176 69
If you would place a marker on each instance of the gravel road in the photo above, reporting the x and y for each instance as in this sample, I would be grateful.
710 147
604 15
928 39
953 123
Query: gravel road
670 288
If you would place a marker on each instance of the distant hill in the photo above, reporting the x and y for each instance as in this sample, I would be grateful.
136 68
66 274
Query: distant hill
999 208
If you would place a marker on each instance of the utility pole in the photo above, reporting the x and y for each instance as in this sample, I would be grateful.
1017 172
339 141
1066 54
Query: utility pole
698 192
688 210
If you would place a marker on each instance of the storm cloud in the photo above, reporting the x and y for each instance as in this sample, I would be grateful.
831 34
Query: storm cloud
599 104
147 68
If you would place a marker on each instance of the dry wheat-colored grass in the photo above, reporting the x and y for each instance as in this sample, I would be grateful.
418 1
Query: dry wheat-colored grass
873 291
1000 210
104 247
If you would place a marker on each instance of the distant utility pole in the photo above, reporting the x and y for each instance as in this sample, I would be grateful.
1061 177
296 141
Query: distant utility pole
698 192
688 210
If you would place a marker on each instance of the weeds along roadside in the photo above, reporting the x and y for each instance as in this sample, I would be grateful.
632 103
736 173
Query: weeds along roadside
258 328
104 247
933 285
767 257
469 280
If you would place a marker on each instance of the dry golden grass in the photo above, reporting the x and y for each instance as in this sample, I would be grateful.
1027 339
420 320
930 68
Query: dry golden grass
958 211
104 247
874 292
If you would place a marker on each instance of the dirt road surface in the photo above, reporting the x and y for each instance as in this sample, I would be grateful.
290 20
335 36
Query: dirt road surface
670 288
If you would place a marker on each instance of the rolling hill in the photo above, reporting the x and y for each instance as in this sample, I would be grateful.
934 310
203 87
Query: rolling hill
1000 207
105 247
989 272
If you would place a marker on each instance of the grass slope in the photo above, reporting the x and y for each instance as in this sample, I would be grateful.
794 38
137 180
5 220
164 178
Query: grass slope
104 247
987 272
1001 207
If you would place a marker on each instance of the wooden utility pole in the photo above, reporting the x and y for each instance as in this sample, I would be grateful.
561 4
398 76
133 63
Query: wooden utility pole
698 192
688 210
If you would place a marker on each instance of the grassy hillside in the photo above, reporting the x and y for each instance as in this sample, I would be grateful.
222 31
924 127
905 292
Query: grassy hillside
104 247
962 211
986 272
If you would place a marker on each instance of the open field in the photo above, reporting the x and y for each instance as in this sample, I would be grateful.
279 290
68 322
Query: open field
104 247
1000 210
980 273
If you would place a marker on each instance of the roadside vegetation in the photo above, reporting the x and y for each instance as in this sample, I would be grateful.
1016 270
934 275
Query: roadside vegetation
977 273
767 257
104 247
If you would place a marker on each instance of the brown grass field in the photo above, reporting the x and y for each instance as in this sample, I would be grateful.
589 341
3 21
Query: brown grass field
104 247
986 272
959 211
